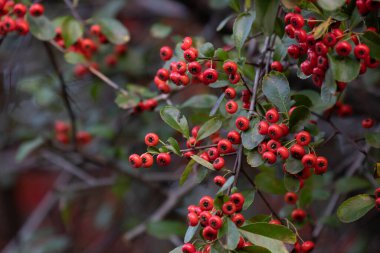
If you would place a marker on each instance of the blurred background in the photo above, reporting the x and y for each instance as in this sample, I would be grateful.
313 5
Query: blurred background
55 200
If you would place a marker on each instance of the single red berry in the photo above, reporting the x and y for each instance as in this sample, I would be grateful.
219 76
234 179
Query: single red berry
377 193
237 199
283 152
188 248
354 38
345 110
291 198
192 219
361 51
322 63
61 127
213 153
163 159
321 165
163 74
290 31
209 233
309 160
166 53
285 129
262 148
234 78
151 139
83 137
186 43
36 10
272 115
297 21
297 151
242 123
275 132
231 107
219 181
206 203
307 246
321 48
147 160
330 39
275 222
205 157
190 54
135 160
229 208
368 123
306 68
340 86
19 10
96 30
234 137
194 68
310 41
288 17
298 215
230 93
210 76
343 48
377 204
215 222
294 51
230 67
303 138
273 145
269 157
238 219
22 26
371 62
224 146
263 128
218 164
300 35
277 66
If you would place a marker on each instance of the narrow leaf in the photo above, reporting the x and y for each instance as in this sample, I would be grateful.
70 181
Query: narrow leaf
173 117
211 126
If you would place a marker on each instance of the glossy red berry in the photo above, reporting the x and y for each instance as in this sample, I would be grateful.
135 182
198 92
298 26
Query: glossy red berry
36 10
298 215
321 165
275 222
151 139
231 107
297 151
303 138
210 76
96 30
377 204
166 53
377 193
288 17
283 152
218 164
273 145
230 93
309 160
321 48
190 54
230 67
163 159
215 222
163 74
234 78
262 148
330 39
297 21
186 43
371 62
242 123
209 233
285 129
277 66
206 203
19 10
219 181
238 219
290 31
361 51
294 51
263 128
147 160
291 198
272 115
238 199
83 137
307 246
269 157
306 68
234 137
229 208
275 132
224 146
343 48
300 35
194 68
192 219
135 160
368 123
61 127
188 248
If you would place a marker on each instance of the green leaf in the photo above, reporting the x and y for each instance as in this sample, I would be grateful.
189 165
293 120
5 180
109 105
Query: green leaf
328 88
115 31
355 19
277 232
293 166
202 162
233 235
291 183
372 40
329 5
348 184
173 117
235 5
373 139
242 28
200 101
41 27
126 101
267 182
223 23
190 232
165 229
75 58
322 29
174 146
160 31
344 69
276 89
249 196
219 84
355 207
208 128
207 49
226 185
177 250
72 30
301 100
254 159
27 147
275 246
216 105
254 249
186 172
299 117
266 15
251 138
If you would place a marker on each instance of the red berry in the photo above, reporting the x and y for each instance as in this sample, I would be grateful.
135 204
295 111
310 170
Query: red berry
277 66
213 153
290 31
215 222
272 115
291 198
321 165
269 157
218 164
230 93
238 219
224 146
229 208
312 22
321 48
209 233
275 132
297 151
135 160
298 215
234 137
147 160
166 53
285 129
262 148
242 123
62 138
186 43
322 63
163 74
206 203
294 51
329 39
36 10
61 127
343 48
263 128
288 17
307 246
361 51
303 138
96 30
19 10
371 62
210 76
83 137
237 199
194 68
275 222
306 68
204 216
377 193
190 54
300 36
188 248
273 145
22 26
163 159
219 181
283 152
234 78
309 160
230 67
377 204
368 123
231 107
297 21
151 139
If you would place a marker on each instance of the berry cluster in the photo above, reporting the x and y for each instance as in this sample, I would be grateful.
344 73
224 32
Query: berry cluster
366 6
316 49
13 16
62 134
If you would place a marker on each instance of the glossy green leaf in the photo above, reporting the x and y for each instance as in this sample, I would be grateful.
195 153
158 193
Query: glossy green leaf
174 146
242 28
372 40
293 166
41 27
254 249
226 185
233 235
328 89
276 89
114 31
223 23
301 100
299 117
275 246
186 172
219 84
355 207
75 58
268 182
266 12
190 232
273 231
373 139
202 162
208 128
330 5
27 147
177 250
200 101
165 229
344 69
249 196
291 183
173 117
251 138
254 159
72 30
348 184
207 49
